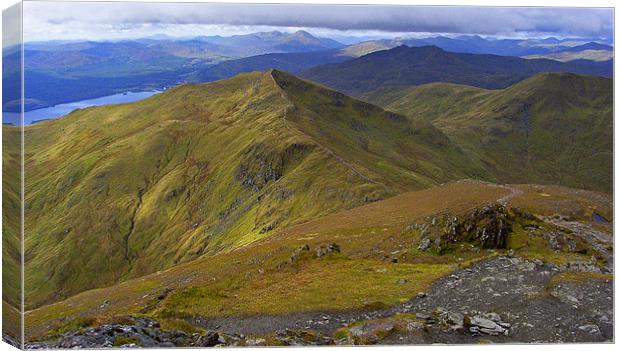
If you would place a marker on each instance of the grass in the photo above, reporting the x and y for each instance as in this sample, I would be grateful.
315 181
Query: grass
553 128
208 193
578 277
332 284
258 278
117 192
124 340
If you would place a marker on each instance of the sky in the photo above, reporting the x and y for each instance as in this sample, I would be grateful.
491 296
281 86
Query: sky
110 21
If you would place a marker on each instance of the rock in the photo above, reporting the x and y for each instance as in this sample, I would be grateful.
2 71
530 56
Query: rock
451 318
402 281
255 342
209 339
582 266
590 328
493 316
425 244
487 326
421 295
411 326
324 250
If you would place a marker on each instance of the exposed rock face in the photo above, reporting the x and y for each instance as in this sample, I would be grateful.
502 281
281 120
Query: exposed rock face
487 227
263 164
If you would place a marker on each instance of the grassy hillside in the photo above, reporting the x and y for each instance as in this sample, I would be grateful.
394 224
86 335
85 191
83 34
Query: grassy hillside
405 66
378 252
11 230
552 128
119 191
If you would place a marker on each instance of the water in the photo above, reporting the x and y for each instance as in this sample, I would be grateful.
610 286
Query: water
52 112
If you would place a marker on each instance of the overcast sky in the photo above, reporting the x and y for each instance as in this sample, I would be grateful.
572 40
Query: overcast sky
97 21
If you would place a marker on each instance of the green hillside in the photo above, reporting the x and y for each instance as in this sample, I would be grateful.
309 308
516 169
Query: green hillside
282 275
119 191
11 231
551 128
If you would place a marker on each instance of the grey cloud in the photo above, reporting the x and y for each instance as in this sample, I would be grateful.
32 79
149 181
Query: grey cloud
466 20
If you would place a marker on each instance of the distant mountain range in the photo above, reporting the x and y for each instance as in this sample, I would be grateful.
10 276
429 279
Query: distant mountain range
66 71
479 45
405 66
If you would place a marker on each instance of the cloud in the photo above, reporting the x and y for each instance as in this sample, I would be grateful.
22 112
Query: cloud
84 18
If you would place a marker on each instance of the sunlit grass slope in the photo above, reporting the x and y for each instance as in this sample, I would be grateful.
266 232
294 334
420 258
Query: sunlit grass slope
379 263
120 191
553 128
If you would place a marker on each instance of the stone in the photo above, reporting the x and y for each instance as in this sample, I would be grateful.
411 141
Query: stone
255 342
210 339
590 328
487 326
425 244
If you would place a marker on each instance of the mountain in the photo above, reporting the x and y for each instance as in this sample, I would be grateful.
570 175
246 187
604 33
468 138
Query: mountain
585 56
590 51
589 46
551 128
270 42
404 66
351 262
61 72
473 44
119 191
289 62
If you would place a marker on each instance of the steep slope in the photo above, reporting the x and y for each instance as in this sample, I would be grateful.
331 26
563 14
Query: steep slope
283 274
404 66
11 231
115 192
551 128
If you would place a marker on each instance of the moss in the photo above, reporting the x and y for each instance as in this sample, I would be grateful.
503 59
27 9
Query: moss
77 323
578 277
123 340
168 324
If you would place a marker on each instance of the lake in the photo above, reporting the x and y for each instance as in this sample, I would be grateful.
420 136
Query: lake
64 109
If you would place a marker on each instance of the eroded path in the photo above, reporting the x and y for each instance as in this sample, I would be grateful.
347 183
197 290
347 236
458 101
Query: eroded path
520 292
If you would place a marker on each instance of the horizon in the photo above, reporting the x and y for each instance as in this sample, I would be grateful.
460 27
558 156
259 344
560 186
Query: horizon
349 39
96 21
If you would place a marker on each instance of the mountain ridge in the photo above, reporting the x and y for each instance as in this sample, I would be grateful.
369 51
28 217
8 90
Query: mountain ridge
549 128
200 169
405 65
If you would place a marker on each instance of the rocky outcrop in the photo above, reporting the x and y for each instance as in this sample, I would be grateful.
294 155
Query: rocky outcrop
486 227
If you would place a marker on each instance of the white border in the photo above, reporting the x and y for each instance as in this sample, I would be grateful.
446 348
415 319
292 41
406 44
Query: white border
560 3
